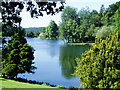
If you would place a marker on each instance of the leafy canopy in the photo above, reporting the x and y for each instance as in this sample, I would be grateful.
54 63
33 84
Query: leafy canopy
17 57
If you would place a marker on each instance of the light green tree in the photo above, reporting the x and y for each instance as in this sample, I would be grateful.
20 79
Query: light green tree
104 32
99 67
52 30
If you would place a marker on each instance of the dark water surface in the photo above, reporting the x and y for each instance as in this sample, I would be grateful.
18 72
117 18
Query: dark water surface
55 62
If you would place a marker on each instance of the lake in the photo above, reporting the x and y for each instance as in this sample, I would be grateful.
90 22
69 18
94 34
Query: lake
55 62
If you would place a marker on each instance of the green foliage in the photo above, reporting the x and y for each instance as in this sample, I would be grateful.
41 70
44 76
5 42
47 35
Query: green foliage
51 31
104 32
67 29
108 15
30 34
69 33
17 57
42 35
117 15
0 61
34 30
10 31
11 17
69 13
75 24
99 67
88 23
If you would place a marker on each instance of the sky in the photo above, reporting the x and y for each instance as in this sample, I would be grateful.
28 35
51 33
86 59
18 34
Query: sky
44 21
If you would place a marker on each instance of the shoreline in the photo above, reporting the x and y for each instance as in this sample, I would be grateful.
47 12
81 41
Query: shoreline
30 82
77 43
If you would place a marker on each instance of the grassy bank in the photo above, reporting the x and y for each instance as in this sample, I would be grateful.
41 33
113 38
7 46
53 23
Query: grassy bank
78 43
7 83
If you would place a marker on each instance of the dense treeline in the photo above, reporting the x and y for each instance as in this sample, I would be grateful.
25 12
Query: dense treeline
86 25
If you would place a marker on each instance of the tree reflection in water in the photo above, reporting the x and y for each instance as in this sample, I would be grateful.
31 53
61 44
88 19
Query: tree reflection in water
68 53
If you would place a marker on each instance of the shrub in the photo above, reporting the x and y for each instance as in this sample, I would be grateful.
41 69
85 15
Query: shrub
99 67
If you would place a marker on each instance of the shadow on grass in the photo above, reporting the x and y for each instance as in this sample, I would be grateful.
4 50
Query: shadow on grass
35 82
3 79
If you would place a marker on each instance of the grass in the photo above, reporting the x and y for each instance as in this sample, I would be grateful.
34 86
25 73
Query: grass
7 83
78 43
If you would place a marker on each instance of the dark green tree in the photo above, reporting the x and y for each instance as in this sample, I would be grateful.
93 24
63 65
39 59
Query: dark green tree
69 13
17 57
108 17
30 34
17 54
95 19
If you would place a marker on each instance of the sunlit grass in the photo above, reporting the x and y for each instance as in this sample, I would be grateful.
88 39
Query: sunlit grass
7 83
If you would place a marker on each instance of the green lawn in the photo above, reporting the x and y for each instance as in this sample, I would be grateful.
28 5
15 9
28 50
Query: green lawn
78 43
7 83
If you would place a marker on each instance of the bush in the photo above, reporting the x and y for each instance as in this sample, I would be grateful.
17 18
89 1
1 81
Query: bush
99 67
104 32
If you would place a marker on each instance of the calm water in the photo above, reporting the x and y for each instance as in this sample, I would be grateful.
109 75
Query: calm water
55 62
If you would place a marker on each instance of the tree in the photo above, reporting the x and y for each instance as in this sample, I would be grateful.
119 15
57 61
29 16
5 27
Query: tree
118 19
52 31
17 54
68 31
84 15
108 15
17 57
30 34
42 35
102 9
69 13
69 17
95 19
90 33
99 67
11 16
104 32
11 11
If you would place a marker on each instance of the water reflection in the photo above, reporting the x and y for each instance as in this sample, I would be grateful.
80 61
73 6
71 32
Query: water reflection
53 47
55 62
67 57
